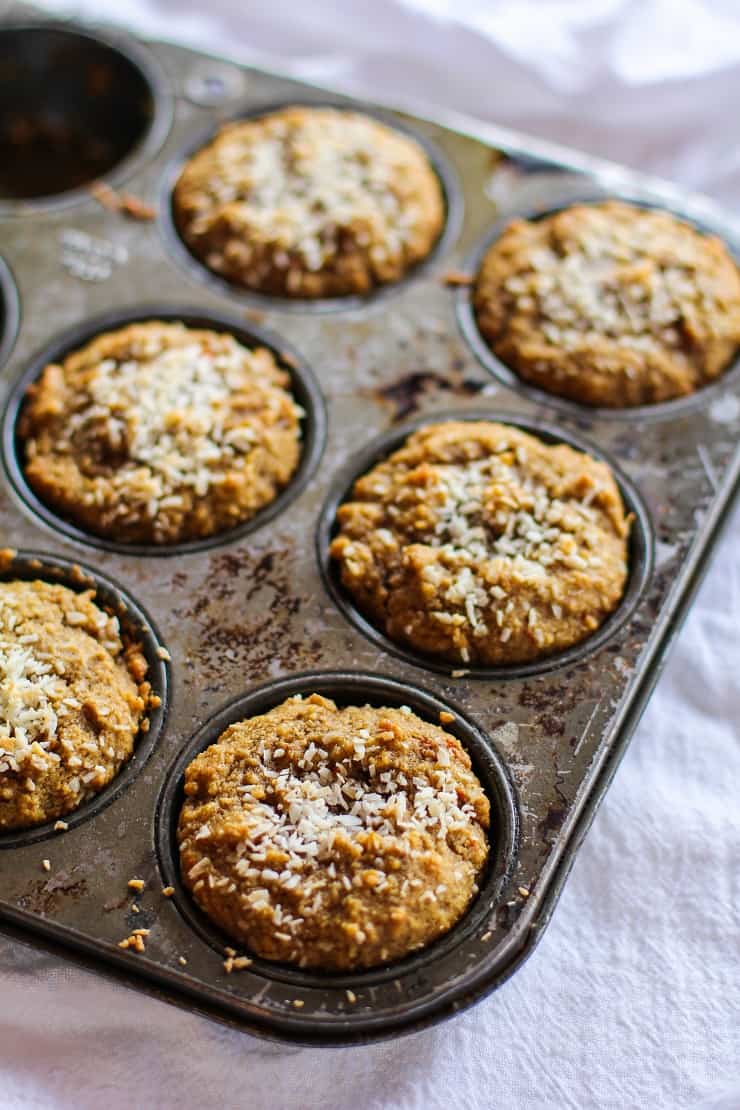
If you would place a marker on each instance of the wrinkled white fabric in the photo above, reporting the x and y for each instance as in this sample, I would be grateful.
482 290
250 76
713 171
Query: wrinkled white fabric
632 999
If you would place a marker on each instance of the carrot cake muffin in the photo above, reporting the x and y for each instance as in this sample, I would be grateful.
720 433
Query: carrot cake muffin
610 304
159 433
72 699
333 838
478 543
310 202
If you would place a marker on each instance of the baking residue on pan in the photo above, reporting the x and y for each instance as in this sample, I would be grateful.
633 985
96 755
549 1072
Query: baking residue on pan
407 393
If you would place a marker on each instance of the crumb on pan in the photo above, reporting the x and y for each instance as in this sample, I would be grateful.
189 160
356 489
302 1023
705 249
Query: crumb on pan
457 278
124 203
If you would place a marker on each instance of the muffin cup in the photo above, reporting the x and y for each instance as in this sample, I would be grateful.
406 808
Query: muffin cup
136 625
468 323
304 387
641 545
350 688
319 305
100 94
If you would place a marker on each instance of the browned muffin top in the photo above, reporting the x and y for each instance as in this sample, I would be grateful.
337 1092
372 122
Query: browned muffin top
610 304
159 433
310 202
333 838
72 699
478 543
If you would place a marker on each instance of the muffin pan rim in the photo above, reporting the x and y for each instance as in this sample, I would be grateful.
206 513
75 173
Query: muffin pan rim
672 409
178 250
11 312
137 54
370 689
641 548
28 565
305 387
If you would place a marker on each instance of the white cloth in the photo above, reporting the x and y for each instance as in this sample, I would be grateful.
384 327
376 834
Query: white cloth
632 998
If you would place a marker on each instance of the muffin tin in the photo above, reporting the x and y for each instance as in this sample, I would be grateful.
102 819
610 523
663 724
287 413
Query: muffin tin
255 615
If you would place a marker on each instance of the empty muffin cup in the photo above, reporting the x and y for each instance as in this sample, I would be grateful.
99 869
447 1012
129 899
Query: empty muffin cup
74 107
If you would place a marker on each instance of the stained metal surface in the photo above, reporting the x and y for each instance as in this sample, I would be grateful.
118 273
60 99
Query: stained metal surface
255 610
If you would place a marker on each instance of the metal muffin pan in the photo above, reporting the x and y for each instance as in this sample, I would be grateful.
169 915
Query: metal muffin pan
9 312
253 610
100 94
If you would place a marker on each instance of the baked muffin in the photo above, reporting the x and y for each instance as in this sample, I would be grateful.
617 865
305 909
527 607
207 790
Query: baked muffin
158 433
477 543
310 202
333 838
72 701
610 304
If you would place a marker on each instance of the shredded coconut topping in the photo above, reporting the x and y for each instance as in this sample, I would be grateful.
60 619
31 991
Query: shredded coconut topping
28 720
172 414
636 280
306 809
472 534
298 818
57 729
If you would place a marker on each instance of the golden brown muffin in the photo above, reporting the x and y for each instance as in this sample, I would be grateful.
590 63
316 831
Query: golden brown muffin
310 202
478 543
333 838
159 433
72 699
610 304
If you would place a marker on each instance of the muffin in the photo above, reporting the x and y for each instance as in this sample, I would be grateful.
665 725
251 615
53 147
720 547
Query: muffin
333 838
610 304
158 433
310 202
478 543
72 701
